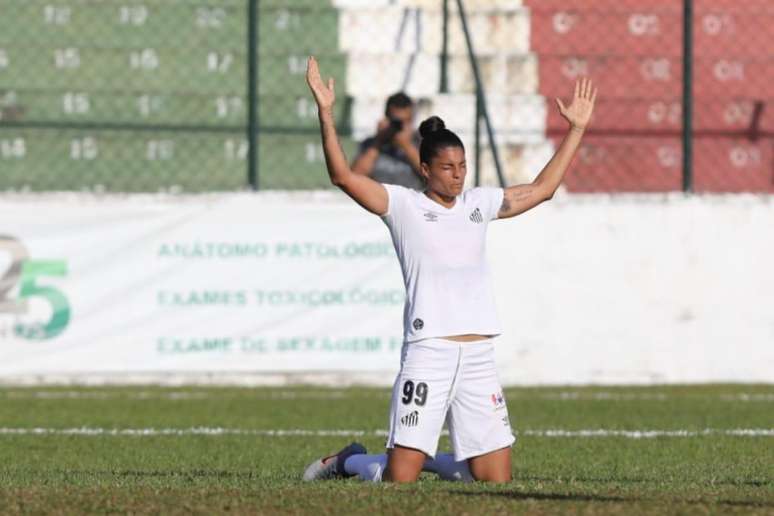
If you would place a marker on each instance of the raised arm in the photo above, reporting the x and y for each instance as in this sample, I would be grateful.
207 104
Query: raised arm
368 193
520 198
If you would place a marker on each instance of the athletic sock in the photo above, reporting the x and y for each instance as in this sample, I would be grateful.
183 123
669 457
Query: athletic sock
368 467
447 468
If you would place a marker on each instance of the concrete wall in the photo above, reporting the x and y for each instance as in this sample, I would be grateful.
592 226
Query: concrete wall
637 289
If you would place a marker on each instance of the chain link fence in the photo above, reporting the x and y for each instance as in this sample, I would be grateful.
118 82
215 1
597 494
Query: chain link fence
634 50
156 95
733 89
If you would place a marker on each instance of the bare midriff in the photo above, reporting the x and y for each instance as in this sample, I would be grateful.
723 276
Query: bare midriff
469 337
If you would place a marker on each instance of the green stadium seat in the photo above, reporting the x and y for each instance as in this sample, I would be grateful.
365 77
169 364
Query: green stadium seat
298 30
127 161
146 23
295 161
155 70
299 111
127 108
295 4
285 75
132 69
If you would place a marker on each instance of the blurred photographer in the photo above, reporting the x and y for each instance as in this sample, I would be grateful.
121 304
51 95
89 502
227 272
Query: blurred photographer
392 155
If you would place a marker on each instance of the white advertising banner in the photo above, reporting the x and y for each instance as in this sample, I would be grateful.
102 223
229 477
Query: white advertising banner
260 283
590 289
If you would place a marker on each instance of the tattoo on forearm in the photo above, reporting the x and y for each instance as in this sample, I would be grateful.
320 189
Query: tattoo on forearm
514 197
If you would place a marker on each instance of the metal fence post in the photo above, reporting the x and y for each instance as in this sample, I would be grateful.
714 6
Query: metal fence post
480 94
252 94
688 96
444 88
477 177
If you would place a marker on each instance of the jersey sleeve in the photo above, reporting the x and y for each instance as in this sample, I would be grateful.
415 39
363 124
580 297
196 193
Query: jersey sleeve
491 200
396 200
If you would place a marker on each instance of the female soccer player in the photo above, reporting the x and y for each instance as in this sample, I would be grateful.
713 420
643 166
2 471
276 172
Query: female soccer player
447 370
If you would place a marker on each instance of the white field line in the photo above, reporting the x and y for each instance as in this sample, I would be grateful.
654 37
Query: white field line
334 395
590 433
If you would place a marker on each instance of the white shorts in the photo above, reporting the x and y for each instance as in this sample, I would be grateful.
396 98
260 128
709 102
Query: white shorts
454 382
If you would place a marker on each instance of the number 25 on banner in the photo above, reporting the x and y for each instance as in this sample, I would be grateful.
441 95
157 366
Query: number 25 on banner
26 273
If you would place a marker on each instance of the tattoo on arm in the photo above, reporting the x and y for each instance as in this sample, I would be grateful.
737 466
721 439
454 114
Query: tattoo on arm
506 205
513 197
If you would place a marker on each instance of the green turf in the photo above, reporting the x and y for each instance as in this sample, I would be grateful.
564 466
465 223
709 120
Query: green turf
704 474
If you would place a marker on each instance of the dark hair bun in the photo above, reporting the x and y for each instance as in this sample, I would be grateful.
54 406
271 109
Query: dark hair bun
431 125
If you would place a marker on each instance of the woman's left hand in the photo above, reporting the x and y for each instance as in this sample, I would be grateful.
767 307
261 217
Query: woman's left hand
578 114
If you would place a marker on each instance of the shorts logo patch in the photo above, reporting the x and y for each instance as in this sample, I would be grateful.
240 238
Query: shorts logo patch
476 216
418 324
410 419
498 400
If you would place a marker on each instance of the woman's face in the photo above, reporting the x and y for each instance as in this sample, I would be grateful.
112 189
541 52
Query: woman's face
445 174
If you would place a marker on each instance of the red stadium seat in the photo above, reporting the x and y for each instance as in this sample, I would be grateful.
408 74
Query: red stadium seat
629 115
726 165
739 115
605 33
633 51
722 31
648 77
626 164
729 77
604 5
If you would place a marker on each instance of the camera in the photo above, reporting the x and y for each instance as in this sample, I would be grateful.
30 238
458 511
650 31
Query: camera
396 126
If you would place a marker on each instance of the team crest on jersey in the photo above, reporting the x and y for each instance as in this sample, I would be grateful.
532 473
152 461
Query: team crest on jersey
430 216
418 324
410 419
498 400
476 216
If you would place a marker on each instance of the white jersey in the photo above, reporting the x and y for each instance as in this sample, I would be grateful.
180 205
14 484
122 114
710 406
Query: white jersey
442 256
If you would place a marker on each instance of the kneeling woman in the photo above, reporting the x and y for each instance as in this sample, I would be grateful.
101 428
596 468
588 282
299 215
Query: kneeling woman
447 372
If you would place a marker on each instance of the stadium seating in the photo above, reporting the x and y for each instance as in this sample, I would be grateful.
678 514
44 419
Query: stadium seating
289 151
88 89
151 65
733 165
633 49
404 54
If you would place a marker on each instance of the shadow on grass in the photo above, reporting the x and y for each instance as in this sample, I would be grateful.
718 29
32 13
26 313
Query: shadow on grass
744 503
577 497
532 495
630 480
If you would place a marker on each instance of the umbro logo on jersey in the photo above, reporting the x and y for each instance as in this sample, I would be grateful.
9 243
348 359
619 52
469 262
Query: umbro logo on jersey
410 419
476 216
430 216
418 324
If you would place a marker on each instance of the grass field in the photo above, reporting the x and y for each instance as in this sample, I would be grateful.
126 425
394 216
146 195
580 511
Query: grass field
710 450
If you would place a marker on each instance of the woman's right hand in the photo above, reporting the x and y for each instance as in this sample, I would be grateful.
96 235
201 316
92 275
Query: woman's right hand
324 95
